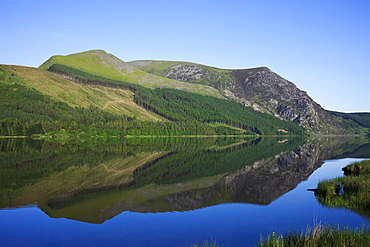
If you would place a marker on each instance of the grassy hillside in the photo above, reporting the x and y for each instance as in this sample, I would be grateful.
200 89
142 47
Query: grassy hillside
113 100
184 107
190 77
38 102
100 63
25 111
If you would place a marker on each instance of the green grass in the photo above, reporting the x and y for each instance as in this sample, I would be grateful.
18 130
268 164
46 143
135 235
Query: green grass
100 63
208 244
320 236
356 188
113 100
358 168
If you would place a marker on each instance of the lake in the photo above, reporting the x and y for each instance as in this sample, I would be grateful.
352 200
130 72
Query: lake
168 191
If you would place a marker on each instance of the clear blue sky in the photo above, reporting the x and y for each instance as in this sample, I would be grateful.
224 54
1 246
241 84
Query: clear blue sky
321 46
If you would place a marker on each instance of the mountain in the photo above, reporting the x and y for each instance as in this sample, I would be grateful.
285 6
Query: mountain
94 93
65 102
260 88
99 62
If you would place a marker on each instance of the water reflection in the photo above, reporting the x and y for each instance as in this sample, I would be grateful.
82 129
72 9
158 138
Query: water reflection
97 180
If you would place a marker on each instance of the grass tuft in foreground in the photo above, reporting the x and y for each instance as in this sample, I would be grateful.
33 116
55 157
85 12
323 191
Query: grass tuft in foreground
351 192
320 236
208 244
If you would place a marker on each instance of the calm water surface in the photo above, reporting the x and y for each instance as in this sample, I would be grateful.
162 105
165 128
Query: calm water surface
168 193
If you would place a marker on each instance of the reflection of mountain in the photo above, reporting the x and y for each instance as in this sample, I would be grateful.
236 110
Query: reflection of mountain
175 175
185 166
181 170
361 151
261 183
35 171
258 181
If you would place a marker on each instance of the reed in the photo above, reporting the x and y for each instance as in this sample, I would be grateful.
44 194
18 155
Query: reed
208 244
320 236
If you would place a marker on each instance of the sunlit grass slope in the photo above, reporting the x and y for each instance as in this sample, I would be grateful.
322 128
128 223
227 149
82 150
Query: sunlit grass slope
113 100
100 63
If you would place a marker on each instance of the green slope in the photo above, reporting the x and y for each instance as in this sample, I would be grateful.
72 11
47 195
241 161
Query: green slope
95 93
100 63
185 71
38 102
27 108
361 118
185 107
113 100
185 76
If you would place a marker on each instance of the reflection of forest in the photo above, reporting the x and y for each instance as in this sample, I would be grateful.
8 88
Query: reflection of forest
93 182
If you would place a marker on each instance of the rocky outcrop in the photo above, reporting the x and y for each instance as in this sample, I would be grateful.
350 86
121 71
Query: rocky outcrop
279 96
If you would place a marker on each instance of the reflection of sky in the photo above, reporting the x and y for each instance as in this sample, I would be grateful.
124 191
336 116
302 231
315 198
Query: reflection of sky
231 224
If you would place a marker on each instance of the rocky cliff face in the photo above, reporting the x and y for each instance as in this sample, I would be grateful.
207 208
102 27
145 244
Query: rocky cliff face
259 88
279 96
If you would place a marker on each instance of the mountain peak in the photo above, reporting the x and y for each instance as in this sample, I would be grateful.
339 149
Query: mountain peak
97 52
92 59
101 63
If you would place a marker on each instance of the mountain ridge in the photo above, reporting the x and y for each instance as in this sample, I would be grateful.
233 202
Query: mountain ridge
104 64
50 108
200 97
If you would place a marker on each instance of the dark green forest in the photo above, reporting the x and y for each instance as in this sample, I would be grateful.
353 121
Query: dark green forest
361 118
